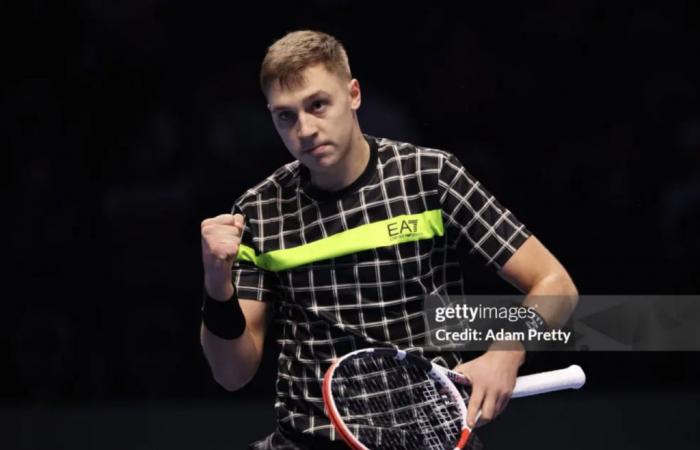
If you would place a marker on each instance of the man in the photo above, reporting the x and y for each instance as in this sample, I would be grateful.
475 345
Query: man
295 244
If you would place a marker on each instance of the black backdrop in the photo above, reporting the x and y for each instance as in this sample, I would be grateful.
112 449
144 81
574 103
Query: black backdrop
127 123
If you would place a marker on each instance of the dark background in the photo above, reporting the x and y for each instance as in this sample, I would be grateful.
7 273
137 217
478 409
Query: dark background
125 124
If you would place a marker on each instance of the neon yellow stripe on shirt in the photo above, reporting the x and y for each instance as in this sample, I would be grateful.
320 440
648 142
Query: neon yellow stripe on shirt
397 230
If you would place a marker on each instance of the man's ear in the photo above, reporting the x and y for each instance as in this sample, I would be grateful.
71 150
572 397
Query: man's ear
355 94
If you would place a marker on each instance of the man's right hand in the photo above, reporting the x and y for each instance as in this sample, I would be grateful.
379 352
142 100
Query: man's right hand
221 239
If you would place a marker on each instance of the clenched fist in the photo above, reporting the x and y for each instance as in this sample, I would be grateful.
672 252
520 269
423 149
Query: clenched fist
221 238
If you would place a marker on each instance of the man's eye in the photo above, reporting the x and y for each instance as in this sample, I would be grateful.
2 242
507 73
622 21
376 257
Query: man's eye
318 105
284 116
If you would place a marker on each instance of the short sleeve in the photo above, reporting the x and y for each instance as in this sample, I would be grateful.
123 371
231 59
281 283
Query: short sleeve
472 214
252 282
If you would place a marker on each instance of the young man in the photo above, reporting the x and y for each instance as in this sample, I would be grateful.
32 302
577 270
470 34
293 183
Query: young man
285 246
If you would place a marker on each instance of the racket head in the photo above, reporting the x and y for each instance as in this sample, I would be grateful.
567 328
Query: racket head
386 399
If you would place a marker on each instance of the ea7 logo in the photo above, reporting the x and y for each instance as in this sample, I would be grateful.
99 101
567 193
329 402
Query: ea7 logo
402 227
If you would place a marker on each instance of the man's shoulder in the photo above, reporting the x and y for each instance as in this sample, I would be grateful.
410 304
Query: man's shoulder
273 186
392 148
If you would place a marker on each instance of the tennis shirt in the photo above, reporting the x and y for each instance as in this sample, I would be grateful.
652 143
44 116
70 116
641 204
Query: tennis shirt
349 269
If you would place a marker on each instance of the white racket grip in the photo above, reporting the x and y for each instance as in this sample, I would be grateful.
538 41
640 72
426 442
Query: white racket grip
572 377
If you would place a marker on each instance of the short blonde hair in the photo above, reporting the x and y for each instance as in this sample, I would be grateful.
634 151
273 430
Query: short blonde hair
287 58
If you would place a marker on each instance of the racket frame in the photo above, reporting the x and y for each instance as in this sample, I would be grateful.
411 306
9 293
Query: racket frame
440 374
571 377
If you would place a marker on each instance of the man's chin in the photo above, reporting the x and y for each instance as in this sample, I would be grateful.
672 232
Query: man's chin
320 162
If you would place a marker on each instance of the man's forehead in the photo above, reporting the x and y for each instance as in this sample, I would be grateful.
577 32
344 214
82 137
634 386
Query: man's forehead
315 80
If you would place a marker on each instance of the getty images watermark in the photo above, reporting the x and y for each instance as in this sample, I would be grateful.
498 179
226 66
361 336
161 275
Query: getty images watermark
502 324
599 322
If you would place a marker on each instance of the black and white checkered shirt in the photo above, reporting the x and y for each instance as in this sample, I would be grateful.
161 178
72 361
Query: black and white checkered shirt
350 269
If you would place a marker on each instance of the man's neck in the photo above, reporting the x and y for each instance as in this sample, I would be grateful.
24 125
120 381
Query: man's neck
349 169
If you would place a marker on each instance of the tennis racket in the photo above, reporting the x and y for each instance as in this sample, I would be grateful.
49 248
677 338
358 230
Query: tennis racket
387 399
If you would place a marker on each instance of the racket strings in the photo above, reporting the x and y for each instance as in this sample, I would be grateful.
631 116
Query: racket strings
389 404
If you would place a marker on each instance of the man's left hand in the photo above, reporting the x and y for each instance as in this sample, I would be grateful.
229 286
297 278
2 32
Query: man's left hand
492 376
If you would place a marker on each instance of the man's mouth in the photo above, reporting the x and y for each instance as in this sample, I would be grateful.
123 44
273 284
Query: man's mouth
311 149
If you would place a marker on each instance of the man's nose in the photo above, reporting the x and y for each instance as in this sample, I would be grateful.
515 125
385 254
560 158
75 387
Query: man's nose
306 125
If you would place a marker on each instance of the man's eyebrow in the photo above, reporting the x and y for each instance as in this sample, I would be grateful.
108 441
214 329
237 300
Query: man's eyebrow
304 100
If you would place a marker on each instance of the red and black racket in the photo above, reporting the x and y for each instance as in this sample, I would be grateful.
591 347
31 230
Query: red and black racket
387 399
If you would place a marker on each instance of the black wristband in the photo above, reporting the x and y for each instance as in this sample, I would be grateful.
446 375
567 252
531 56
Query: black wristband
223 319
533 322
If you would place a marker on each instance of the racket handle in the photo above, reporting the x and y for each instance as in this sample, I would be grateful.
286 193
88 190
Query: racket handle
556 380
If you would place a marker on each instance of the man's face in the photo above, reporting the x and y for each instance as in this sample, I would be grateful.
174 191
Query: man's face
316 121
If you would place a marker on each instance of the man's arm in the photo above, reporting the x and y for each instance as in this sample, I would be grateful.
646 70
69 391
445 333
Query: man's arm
233 361
535 271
